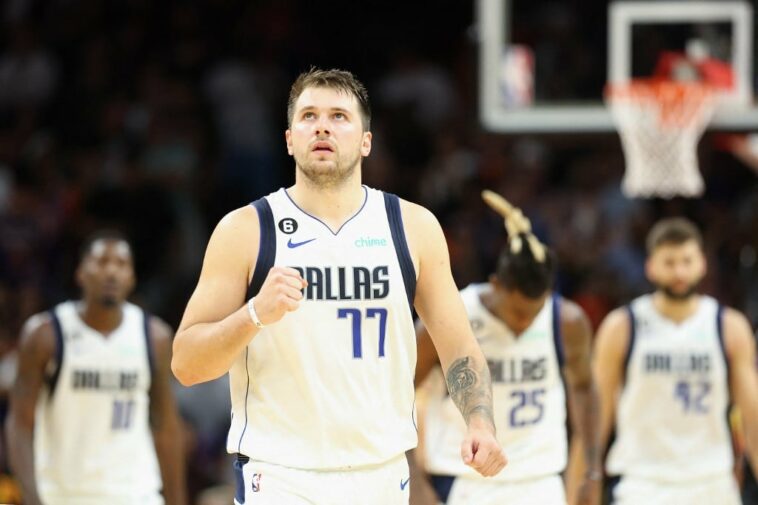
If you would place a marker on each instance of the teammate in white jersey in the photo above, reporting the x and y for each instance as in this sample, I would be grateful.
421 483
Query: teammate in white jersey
92 406
306 297
668 367
532 339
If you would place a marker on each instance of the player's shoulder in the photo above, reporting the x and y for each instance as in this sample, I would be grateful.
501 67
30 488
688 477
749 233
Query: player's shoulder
734 317
571 313
160 330
239 219
40 323
417 215
574 323
423 232
161 335
38 334
236 232
615 331
737 332
618 317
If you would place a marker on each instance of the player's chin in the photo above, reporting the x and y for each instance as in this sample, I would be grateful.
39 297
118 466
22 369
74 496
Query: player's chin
110 300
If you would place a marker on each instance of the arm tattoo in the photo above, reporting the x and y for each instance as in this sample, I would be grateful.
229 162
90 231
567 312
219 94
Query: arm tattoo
470 388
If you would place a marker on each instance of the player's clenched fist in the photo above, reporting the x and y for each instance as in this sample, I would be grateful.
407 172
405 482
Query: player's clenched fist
281 293
482 452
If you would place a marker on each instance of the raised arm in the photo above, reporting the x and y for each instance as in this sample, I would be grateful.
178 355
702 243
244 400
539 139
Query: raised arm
577 343
216 325
164 418
36 349
741 353
612 341
439 305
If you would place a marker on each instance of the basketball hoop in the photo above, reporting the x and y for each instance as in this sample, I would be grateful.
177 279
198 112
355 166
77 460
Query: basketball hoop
660 122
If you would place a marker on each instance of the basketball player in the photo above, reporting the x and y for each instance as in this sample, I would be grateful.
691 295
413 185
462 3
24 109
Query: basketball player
92 384
668 366
532 338
322 354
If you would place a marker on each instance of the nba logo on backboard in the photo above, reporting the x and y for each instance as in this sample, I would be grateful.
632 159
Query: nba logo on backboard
517 77
256 482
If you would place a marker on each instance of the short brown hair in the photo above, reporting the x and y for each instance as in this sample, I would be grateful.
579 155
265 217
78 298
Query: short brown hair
674 231
341 80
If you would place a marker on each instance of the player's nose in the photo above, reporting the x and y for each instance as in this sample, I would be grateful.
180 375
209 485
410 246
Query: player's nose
322 126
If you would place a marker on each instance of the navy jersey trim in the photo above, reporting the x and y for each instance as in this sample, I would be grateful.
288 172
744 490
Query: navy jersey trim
720 333
557 333
247 393
610 484
632 335
335 233
413 412
561 358
149 343
722 346
239 480
267 247
442 485
395 218
58 331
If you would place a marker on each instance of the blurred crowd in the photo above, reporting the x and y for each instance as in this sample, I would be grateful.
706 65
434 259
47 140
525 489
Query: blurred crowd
157 118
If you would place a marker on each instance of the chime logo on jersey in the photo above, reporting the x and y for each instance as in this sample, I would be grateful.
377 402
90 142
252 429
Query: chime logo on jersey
371 242
256 482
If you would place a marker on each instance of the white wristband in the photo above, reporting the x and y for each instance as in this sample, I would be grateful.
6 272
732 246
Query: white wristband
253 315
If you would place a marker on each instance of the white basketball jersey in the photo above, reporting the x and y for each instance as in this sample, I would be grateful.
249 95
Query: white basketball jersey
671 418
528 396
92 441
330 385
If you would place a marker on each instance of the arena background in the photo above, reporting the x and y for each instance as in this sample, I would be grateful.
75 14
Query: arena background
159 117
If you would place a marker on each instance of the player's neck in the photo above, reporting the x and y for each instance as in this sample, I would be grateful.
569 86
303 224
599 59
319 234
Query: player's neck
673 309
333 205
491 303
100 318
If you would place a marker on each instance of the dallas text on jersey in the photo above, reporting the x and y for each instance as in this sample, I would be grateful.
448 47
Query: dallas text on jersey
105 380
345 283
517 370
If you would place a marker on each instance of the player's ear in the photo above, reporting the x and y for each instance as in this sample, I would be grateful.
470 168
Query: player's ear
288 140
131 284
649 268
494 282
366 144
79 275
703 263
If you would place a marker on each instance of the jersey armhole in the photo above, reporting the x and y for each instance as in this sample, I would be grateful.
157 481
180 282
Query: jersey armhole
395 219
720 333
149 343
52 380
728 369
266 248
557 332
632 335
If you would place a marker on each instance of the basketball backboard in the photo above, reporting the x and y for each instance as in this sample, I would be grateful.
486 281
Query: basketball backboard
544 64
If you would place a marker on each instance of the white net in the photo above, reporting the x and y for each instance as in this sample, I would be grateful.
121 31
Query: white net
660 123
